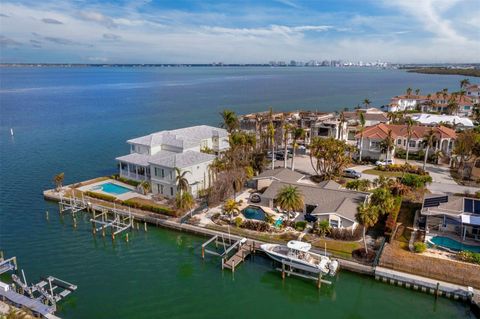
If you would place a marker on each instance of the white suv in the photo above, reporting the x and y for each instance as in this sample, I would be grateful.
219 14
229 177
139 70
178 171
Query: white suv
385 162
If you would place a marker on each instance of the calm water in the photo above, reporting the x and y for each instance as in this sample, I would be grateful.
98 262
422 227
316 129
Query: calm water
76 120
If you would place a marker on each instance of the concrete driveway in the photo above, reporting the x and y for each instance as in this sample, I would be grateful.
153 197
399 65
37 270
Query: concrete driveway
443 183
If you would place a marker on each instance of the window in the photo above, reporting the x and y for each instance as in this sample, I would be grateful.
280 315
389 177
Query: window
171 175
161 189
412 143
163 173
334 223
399 142
171 191
375 145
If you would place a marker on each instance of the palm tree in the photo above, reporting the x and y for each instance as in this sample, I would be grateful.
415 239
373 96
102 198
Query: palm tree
417 92
290 199
323 227
271 135
429 141
342 120
361 120
298 133
58 181
367 216
464 83
410 123
181 180
184 201
367 102
409 91
230 120
388 143
231 207
286 129
145 186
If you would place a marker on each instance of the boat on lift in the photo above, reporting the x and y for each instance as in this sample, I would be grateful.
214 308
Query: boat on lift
297 254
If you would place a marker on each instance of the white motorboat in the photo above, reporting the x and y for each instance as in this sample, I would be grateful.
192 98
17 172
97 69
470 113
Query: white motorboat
297 254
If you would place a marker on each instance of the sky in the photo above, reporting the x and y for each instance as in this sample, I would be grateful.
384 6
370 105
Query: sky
206 31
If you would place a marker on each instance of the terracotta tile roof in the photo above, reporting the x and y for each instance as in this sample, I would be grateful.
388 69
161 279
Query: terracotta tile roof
381 117
380 131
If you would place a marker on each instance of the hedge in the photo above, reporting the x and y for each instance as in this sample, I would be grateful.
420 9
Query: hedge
130 182
300 225
469 256
407 168
108 198
419 247
415 181
132 203
149 207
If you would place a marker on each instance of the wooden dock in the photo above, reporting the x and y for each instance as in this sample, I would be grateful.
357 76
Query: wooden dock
244 249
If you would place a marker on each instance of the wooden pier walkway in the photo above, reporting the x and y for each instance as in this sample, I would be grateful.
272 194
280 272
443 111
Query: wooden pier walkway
244 249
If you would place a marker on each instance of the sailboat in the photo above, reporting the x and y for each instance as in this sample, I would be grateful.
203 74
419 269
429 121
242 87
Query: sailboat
297 255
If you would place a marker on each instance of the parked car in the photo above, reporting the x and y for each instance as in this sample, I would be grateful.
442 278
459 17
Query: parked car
385 162
310 218
351 173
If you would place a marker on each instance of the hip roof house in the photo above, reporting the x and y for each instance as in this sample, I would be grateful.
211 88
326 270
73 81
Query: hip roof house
154 157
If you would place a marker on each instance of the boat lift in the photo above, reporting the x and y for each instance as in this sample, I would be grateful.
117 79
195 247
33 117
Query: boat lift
101 221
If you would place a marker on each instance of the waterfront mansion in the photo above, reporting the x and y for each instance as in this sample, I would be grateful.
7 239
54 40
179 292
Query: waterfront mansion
154 157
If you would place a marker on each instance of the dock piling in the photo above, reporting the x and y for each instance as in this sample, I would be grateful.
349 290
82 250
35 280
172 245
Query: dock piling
46 214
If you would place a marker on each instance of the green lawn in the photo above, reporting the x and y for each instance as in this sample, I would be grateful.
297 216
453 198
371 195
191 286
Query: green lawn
382 173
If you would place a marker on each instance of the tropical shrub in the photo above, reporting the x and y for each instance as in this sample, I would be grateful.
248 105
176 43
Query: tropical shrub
238 221
469 256
322 228
269 218
300 225
419 247
407 168
105 197
255 225
415 181
362 185
130 182
345 234
393 215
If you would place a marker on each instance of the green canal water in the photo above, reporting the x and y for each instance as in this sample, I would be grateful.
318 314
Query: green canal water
160 274
76 120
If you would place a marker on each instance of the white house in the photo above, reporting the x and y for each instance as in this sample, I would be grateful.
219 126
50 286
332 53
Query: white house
154 157
435 119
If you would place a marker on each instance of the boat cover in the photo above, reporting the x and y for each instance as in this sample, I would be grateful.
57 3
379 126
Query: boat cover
298 245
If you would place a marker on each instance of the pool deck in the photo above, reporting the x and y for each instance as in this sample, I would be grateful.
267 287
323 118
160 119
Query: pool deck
128 195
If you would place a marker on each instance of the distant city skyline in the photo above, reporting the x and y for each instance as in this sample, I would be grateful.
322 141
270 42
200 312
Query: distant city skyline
183 31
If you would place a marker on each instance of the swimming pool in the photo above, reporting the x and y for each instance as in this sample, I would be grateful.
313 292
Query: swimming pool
254 212
453 244
112 188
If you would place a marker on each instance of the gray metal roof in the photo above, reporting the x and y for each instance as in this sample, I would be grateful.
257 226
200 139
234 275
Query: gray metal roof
135 158
184 137
180 160
280 174
341 202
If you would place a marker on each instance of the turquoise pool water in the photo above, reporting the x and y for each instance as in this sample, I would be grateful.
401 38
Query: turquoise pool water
453 244
278 222
112 188
254 212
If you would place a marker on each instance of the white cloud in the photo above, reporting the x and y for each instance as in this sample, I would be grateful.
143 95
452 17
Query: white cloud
429 35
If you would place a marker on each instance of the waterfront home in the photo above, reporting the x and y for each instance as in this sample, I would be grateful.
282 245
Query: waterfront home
326 201
435 120
439 102
473 92
257 123
452 215
266 178
371 140
372 116
154 157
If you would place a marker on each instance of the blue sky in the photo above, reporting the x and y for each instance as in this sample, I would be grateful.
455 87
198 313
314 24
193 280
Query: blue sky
207 31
